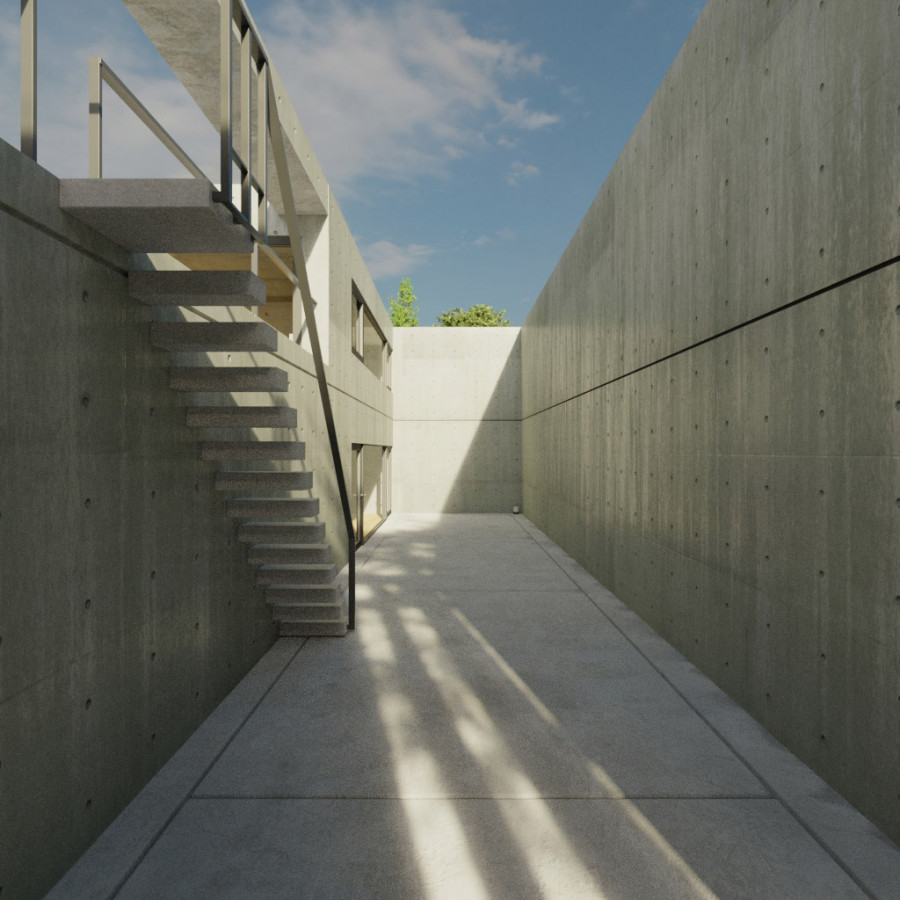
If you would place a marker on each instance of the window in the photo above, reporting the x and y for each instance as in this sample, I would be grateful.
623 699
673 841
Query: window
370 498
368 343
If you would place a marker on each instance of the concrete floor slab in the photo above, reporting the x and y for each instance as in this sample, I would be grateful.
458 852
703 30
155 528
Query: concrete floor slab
476 740
435 848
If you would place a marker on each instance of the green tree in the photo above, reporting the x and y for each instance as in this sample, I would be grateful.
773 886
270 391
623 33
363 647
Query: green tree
480 314
404 311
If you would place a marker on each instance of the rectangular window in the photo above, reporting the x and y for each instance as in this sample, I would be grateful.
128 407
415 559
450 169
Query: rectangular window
371 488
368 343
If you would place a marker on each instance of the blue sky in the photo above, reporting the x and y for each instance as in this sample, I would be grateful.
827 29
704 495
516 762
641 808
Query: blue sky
464 140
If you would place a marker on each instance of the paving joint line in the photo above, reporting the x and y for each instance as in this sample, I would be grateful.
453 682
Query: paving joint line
775 795
182 803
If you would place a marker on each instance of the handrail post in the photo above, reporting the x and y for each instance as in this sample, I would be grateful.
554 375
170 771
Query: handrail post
28 54
95 117
246 107
262 154
226 19
287 194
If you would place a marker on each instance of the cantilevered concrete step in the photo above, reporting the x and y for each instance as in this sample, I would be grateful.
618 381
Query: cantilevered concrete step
308 609
173 215
311 629
263 481
241 417
211 336
268 508
288 554
294 602
252 450
281 532
318 573
232 379
187 288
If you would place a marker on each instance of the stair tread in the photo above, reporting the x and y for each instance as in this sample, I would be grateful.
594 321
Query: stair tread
241 416
250 450
214 336
230 379
313 629
197 288
254 532
275 500
310 546
312 606
253 480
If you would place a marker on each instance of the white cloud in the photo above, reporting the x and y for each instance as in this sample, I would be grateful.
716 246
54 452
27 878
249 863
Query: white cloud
386 259
504 234
504 141
395 91
518 115
519 170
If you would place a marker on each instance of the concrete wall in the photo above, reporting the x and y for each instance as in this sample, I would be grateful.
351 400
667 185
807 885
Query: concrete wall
711 378
128 608
457 419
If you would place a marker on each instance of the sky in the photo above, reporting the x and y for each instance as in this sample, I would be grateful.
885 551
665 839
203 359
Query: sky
464 140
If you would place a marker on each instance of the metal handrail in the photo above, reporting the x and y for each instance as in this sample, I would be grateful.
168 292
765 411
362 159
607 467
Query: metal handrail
253 59
99 71
271 134
287 196
28 69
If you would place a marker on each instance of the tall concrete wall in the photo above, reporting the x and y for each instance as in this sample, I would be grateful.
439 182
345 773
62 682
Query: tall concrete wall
128 609
457 419
710 378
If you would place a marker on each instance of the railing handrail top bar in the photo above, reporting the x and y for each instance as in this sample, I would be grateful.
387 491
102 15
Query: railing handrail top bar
144 114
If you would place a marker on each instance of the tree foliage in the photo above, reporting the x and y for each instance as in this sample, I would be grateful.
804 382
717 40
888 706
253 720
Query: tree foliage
480 314
404 310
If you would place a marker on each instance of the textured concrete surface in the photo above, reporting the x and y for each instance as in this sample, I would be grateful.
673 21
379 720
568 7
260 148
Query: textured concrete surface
518 733
161 215
128 608
457 420
187 36
188 288
711 378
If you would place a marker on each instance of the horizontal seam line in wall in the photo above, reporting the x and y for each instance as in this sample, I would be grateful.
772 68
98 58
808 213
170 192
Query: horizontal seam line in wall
420 419
743 456
576 798
347 394
44 229
714 337
186 797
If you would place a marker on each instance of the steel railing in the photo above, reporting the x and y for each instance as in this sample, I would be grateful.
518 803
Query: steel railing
251 163
28 69
98 73
254 64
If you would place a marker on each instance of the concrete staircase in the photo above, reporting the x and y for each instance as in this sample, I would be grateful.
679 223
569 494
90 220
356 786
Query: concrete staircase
286 546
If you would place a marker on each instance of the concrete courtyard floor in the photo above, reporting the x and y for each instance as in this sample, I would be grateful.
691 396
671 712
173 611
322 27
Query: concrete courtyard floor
498 726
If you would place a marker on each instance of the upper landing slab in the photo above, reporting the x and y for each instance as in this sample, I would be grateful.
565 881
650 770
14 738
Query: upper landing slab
187 37
155 216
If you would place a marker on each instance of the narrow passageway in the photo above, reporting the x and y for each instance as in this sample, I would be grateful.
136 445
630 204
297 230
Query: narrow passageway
498 726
